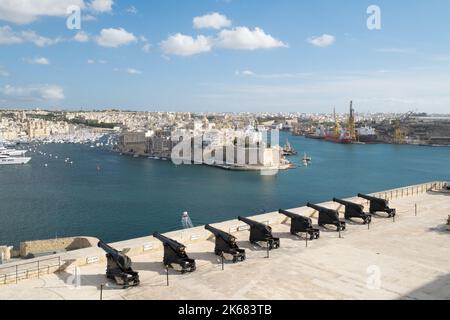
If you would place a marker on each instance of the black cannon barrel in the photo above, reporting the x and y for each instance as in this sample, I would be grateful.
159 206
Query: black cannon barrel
108 249
251 222
219 233
318 208
370 198
288 214
347 203
170 242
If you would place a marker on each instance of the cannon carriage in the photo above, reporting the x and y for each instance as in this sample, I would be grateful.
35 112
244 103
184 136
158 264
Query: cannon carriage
379 205
354 210
175 255
301 224
259 232
328 217
226 245
119 267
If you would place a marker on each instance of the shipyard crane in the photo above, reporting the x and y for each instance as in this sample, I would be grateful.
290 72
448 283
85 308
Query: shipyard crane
351 123
399 134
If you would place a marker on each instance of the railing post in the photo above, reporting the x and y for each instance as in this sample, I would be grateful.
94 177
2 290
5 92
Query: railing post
38 270
167 275
17 272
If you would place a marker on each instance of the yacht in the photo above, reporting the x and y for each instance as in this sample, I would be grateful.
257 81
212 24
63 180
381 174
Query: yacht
4 159
11 152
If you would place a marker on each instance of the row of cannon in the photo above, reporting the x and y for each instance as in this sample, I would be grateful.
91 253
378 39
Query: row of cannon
119 265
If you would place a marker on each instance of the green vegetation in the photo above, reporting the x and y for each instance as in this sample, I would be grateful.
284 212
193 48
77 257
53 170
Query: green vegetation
92 123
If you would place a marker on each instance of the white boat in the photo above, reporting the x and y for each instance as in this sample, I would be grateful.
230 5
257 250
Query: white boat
306 158
13 153
4 159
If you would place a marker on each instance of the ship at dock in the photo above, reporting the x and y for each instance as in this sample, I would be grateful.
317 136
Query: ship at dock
367 135
318 134
343 135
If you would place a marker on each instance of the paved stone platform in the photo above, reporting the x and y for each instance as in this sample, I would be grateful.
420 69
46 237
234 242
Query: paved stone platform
408 259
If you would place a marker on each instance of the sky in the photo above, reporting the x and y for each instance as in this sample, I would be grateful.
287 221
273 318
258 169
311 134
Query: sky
226 55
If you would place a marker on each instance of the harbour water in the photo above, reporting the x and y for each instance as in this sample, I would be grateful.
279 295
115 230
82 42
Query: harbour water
113 197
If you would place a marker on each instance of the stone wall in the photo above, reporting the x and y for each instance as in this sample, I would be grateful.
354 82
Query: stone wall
30 248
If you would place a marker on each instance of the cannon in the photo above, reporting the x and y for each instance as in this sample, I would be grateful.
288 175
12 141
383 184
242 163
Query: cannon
328 216
379 205
119 267
175 255
226 245
259 232
354 210
301 224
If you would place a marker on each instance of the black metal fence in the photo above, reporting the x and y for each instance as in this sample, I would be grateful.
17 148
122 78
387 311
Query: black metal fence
27 270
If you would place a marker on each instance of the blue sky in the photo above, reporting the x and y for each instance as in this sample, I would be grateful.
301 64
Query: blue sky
238 55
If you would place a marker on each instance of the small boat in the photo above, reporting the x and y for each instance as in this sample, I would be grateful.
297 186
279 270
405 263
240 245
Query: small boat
288 150
306 158
7 160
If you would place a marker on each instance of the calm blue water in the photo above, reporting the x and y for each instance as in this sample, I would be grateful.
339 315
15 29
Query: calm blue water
135 197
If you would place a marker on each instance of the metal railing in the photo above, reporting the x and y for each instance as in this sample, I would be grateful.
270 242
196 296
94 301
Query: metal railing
28 270
410 191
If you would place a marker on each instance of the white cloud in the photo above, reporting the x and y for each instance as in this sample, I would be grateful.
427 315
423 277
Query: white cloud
211 21
9 36
3 72
101 6
371 91
246 73
147 48
27 11
114 38
322 41
40 41
88 17
133 71
396 50
90 61
41 61
242 38
81 37
132 10
33 93
184 45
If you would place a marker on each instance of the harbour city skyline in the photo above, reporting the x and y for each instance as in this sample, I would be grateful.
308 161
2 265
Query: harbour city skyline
218 56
